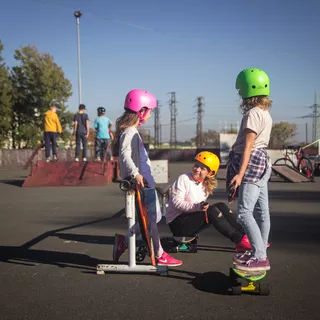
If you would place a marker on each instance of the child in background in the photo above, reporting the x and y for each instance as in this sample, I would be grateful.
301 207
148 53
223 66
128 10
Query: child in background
51 127
102 124
81 131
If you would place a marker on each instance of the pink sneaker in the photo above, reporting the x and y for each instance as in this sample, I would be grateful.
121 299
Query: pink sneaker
244 245
119 246
166 260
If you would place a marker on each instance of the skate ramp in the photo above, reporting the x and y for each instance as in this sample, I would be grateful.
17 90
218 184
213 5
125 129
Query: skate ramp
71 173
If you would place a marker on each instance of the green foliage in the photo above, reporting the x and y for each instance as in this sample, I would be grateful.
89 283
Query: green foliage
282 133
209 138
5 101
36 82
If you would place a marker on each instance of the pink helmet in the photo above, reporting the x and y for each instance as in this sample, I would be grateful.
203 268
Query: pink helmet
137 99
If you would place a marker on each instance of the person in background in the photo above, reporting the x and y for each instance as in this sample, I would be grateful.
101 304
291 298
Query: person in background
102 125
81 132
51 127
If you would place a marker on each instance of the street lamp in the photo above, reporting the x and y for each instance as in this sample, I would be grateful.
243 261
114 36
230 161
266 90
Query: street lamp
78 14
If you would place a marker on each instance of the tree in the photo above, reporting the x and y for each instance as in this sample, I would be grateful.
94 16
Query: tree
281 134
209 138
5 101
36 82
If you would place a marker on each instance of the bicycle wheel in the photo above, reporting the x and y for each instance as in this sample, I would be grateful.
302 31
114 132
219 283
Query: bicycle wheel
284 161
305 167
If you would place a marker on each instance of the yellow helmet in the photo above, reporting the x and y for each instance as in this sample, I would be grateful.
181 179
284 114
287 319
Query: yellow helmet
209 159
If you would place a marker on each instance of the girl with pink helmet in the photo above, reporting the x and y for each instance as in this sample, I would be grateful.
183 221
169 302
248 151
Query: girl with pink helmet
134 162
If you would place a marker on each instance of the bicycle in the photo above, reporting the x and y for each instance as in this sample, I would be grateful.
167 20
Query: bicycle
304 164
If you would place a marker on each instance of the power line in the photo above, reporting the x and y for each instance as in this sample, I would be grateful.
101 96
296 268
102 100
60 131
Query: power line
315 119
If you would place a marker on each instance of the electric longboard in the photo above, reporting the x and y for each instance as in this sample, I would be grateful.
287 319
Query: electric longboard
244 281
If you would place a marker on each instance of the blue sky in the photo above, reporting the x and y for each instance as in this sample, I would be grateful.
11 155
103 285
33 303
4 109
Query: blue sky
195 48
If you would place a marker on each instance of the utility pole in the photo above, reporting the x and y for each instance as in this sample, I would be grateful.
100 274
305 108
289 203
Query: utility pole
78 14
315 127
315 119
200 111
173 120
157 126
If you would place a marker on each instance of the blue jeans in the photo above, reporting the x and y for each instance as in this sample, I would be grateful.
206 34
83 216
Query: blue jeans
254 215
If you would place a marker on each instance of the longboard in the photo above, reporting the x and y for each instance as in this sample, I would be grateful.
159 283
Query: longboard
250 282
142 214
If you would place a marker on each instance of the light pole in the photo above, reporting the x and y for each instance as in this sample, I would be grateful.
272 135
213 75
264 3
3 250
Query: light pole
78 14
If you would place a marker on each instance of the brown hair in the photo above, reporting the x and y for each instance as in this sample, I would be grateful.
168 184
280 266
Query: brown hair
210 183
128 119
264 102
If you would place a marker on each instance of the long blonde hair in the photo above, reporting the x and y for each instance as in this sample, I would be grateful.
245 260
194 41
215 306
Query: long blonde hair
128 119
263 101
209 184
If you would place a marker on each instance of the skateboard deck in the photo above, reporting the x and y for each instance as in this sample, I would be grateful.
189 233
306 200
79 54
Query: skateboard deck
142 214
251 276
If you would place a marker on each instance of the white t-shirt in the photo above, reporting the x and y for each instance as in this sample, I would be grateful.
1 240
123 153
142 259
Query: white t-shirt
259 121
186 196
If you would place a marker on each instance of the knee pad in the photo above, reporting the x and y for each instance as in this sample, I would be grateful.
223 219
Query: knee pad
223 208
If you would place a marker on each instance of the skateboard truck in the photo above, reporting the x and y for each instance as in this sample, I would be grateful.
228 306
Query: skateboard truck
128 185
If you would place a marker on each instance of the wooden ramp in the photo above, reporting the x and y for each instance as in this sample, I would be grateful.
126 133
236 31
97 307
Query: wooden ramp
64 173
289 173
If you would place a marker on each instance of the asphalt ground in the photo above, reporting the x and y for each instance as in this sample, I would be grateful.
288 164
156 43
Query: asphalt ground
51 240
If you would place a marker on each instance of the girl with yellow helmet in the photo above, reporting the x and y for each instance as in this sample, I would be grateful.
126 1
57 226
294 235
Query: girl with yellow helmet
189 213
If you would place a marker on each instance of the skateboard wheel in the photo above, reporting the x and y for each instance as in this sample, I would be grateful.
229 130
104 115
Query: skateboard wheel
193 248
140 255
235 291
264 289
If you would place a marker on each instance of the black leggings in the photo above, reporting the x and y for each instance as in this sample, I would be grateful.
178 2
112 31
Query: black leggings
219 215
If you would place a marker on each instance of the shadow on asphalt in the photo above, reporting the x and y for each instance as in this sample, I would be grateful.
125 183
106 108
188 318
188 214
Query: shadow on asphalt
24 255
15 182
212 282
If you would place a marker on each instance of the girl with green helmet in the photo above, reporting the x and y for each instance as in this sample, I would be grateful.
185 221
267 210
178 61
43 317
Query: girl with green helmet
249 167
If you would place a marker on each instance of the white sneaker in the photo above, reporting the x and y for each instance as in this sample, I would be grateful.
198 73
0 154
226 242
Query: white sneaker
48 160
55 158
84 159
76 159
98 159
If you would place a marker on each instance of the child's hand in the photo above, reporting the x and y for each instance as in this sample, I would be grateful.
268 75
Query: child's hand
236 181
204 205
139 179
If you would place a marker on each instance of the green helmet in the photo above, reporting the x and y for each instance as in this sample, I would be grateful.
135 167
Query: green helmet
253 82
